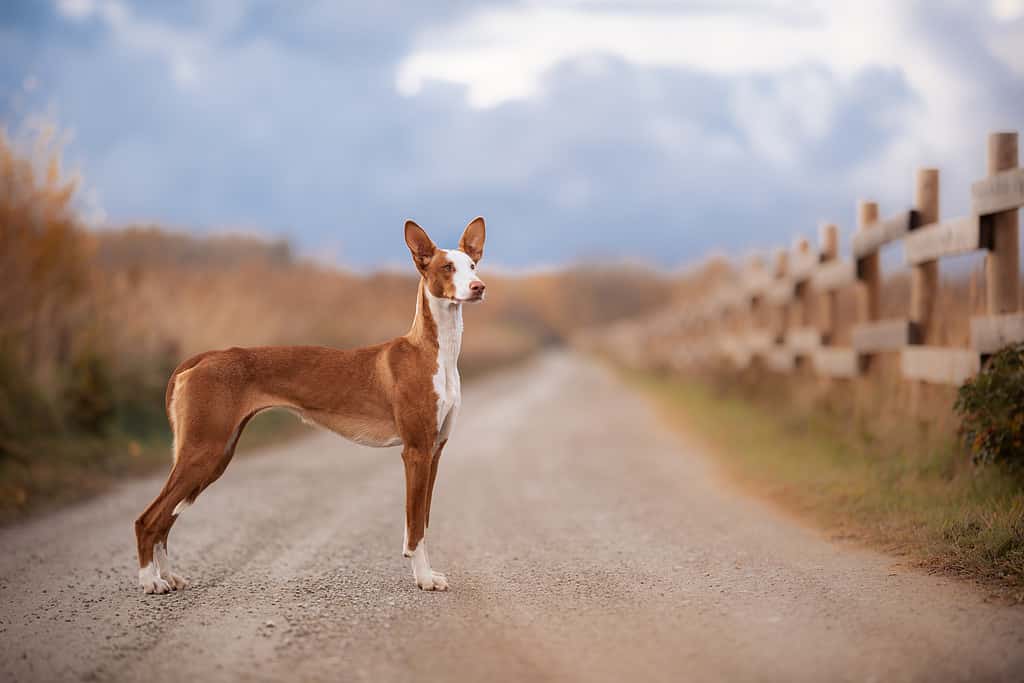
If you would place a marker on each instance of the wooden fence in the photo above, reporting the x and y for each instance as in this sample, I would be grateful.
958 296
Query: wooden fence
784 314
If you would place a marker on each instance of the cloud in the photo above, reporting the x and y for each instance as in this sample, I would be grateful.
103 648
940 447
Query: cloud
1008 10
580 129
76 9
625 159
501 54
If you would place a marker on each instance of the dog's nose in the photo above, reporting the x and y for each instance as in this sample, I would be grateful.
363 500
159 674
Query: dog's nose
477 287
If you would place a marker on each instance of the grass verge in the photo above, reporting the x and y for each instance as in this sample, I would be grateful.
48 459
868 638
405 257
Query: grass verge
919 498
65 468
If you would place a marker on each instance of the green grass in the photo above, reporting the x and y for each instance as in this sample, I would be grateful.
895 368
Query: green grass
908 493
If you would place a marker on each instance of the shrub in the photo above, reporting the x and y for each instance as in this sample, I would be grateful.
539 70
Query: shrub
24 410
88 393
991 408
140 385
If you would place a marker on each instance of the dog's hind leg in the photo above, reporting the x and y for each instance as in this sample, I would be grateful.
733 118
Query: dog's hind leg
202 455
153 527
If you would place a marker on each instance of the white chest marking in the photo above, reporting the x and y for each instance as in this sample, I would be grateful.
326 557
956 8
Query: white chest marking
447 383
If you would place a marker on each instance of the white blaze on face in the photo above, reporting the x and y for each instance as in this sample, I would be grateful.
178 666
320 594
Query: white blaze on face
465 273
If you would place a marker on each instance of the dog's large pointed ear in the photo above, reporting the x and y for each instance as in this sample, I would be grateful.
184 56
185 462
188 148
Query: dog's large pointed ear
472 241
420 244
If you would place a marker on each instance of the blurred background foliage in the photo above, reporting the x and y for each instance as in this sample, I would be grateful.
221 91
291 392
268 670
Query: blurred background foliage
92 322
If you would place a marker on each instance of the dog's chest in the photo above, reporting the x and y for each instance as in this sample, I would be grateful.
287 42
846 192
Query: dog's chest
448 388
447 384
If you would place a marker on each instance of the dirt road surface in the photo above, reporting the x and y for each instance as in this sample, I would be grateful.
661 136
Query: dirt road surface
582 541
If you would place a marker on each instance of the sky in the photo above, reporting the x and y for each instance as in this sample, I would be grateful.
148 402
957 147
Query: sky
581 129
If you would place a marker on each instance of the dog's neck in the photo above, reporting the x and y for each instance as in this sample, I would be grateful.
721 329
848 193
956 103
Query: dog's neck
438 324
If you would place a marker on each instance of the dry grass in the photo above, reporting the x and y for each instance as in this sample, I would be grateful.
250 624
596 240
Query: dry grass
908 490
875 457
92 323
200 293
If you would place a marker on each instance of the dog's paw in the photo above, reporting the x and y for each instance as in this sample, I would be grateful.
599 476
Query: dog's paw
178 583
154 584
440 582
435 581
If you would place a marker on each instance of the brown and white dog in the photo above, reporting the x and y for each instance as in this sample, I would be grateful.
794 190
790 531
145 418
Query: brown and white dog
405 391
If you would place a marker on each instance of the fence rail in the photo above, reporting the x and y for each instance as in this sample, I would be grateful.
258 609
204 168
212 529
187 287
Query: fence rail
784 314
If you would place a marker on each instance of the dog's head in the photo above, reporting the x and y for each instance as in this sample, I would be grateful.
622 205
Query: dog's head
449 273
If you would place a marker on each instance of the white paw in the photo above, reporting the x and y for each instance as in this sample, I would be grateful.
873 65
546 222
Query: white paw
155 585
152 582
435 581
178 583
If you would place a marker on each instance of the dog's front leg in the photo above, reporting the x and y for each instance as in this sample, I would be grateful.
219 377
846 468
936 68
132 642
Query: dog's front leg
418 464
433 477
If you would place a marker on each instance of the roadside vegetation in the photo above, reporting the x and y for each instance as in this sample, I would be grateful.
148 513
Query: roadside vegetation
92 322
907 486
82 368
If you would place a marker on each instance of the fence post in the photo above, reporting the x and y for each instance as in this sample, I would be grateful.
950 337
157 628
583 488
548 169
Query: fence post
828 302
869 267
752 302
801 303
781 312
1002 264
924 283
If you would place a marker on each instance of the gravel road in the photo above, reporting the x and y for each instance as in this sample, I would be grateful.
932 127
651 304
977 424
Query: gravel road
582 541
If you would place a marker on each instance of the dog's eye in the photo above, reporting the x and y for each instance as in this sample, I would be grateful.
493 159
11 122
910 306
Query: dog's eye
472 266
449 267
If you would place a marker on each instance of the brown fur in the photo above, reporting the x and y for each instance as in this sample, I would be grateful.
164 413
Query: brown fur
377 395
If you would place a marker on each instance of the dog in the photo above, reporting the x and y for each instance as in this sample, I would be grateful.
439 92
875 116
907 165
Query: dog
404 392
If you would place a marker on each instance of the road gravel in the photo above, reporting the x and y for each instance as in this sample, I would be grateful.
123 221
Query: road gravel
582 539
